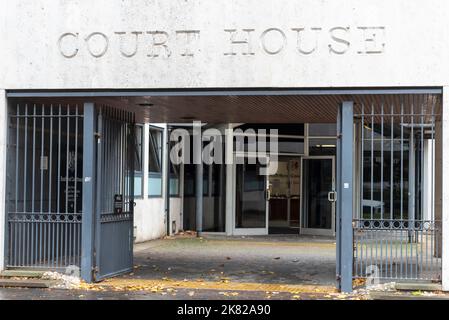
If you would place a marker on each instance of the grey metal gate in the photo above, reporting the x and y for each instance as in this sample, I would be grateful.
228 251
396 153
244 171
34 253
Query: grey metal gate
44 185
397 232
114 192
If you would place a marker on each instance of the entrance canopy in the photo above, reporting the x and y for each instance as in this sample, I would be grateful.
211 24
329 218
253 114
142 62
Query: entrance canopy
246 106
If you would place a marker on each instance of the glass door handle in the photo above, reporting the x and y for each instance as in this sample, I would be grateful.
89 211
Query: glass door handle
267 194
332 196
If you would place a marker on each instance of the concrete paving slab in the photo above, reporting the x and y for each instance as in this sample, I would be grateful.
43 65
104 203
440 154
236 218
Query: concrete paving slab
279 260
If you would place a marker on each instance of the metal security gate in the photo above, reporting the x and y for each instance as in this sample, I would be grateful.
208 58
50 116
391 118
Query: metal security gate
397 232
60 189
44 185
114 192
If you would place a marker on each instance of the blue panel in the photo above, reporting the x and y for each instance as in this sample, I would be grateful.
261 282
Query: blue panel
345 169
138 192
155 186
88 193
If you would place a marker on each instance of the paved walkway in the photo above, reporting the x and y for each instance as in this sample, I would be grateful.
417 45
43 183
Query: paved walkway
286 260
176 294
279 267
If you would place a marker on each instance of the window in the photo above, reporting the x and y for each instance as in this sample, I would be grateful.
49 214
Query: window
138 163
190 180
290 138
322 139
322 147
323 129
155 162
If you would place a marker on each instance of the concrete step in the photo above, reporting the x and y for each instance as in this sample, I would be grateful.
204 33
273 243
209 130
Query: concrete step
21 273
26 283
418 286
404 296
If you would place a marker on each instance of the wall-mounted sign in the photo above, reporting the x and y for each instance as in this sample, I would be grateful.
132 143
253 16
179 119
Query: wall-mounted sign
118 203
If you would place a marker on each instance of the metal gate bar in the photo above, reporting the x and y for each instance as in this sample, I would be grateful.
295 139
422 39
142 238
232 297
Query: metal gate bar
396 236
44 217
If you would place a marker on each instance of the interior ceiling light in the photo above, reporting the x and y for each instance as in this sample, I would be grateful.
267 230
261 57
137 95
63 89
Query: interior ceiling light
146 104
325 146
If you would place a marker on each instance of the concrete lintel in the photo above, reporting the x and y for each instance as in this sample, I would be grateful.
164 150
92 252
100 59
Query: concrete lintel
219 92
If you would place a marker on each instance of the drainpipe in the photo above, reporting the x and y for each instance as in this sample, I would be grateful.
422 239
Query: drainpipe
167 180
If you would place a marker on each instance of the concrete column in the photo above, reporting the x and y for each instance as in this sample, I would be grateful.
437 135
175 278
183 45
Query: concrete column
3 145
445 188
428 178
229 190
198 160
145 158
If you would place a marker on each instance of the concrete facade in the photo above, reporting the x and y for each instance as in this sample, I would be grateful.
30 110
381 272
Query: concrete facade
194 44
199 44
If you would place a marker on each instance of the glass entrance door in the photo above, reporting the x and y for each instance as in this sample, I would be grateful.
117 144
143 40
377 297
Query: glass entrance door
284 202
251 214
318 185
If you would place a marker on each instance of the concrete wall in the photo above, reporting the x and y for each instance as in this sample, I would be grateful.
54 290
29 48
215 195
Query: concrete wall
149 213
149 218
3 145
195 43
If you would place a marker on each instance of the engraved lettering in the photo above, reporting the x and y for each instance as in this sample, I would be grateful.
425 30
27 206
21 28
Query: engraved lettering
100 47
61 44
300 40
132 52
341 45
373 39
245 42
189 37
281 45
304 41
159 42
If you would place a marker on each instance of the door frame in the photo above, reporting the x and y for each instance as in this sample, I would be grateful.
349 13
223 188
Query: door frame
314 231
247 231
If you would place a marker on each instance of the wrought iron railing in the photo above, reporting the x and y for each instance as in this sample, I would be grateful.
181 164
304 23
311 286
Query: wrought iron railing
397 249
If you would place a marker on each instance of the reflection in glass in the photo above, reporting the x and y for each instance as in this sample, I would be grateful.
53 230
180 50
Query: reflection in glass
317 184
250 196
